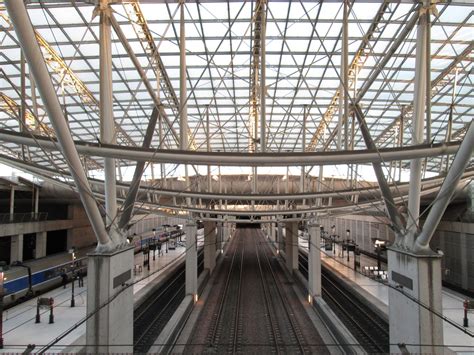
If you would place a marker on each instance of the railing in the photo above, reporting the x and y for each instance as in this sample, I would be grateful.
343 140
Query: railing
23 217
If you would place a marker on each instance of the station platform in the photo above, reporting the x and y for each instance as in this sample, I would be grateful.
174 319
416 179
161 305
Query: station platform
377 292
20 329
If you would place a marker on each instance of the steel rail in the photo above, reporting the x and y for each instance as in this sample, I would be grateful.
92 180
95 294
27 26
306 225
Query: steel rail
266 294
356 321
283 299
238 159
220 310
350 315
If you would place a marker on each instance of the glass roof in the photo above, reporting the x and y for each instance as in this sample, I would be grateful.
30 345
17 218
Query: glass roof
302 46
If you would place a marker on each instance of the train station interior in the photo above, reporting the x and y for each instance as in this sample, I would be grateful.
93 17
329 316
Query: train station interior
223 176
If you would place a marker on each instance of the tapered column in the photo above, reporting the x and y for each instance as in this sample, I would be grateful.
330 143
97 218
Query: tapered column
210 245
107 124
191 258
263 76
418 126
291 246
314 261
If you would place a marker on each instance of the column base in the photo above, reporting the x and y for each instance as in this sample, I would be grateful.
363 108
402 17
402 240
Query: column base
419 278
110 301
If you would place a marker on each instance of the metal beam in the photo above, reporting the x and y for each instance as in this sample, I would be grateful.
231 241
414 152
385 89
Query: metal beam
419 124
26 35
239 159
389 202
107 122
127 207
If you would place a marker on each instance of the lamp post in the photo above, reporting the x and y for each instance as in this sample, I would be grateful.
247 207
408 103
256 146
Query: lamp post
348 238
73 258
333 239
154 243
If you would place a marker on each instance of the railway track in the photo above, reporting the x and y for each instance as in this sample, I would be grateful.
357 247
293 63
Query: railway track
252 307
152 315
223 333
276 304
367 327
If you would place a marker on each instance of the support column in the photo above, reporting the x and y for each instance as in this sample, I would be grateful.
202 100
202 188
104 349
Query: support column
12 203
16 248
314 261
419 277
279 237
291 246
108 301
263 77
418 126
209 245
219 235
40 244
191 259
272 232
107 124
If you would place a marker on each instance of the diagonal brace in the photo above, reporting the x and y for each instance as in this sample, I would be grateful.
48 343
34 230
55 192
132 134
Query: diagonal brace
394 215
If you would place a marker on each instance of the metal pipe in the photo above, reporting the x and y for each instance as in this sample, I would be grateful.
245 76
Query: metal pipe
107 123
127 207
43 173
460 162
26 36
303 149
428 75
208 148
345 72
418 130
263 20
183 117
389 202
239 159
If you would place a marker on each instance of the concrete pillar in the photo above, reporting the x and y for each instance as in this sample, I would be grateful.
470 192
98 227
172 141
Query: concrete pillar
40 244
16 248
36 209
279 239
470 201
12 202
219 235
464 251
209 245
272 232
419 277
291 246
314 261
191 258
110 302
